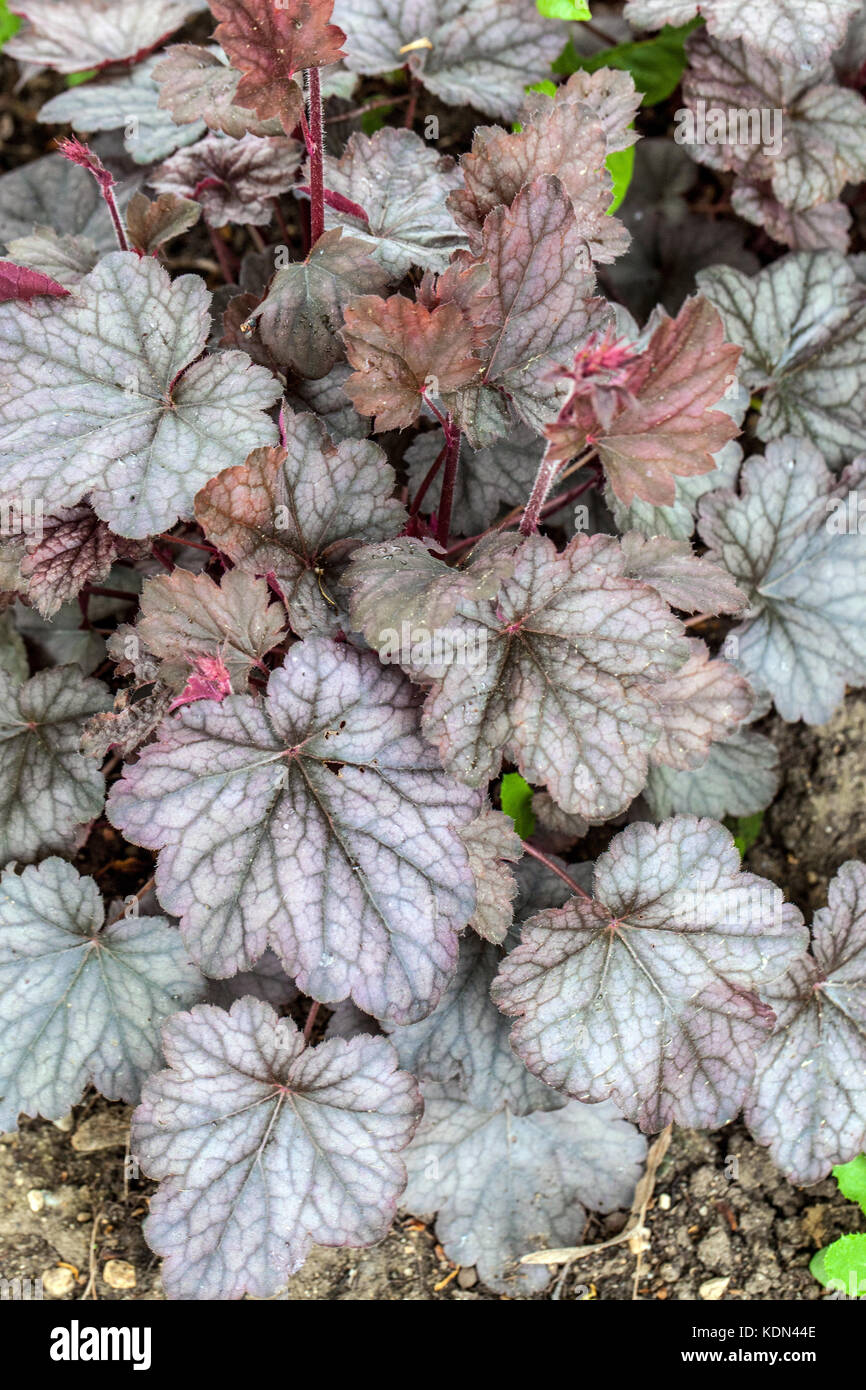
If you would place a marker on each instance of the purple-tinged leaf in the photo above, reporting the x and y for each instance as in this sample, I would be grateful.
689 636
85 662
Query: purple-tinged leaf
808 1099
678 519
129 724
127 101
302 315
198 86
802 32
564 138
74 35
555 827
185 617
687 581
265 1146
297 512
660 424
801 324
266 980
739 778
815 144
824 226
402 594
610 93
701 703
401 184
536 308
562 684
18 282
788 541
74 548
348 861
327 398
151 224
81 1003
66 259
505 1184
347 1021
647 993
464 1042
492 844
46 787
479 53
269 43
234 180
399 350
107 394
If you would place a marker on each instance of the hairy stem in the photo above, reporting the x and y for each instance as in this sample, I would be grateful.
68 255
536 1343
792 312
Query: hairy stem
316 146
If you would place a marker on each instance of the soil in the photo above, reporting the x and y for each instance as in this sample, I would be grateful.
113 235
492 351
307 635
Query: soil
723 1223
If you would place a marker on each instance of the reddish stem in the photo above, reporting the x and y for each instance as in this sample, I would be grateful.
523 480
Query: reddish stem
446 501
555 869
310 1021
221 251
430 475
316 146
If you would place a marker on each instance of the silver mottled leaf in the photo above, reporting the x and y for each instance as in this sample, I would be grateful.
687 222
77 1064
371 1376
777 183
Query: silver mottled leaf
799 31
739 778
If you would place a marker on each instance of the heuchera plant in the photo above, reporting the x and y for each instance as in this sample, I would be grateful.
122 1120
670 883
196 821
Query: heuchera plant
374 511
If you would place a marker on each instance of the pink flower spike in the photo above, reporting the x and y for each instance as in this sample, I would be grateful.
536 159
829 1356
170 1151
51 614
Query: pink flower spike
208 680
82 155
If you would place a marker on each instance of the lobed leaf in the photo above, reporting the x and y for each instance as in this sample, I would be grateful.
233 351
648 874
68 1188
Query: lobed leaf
269 44
74 35
197 86
801 31
234 180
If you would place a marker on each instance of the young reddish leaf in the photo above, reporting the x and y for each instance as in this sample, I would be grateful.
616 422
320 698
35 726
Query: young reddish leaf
802 32
573 651
647 993
348 861
400 183
503 1184
535 308
478 53
74 35
564 138
611 95
74 549
186 617
663 425
269 43
821 141
17 282
298 511
801 323
46 787
197 84
265 1145
787 538
234 180
209 680
81 1003
400 350
302 314
94 403
808 1099
151 224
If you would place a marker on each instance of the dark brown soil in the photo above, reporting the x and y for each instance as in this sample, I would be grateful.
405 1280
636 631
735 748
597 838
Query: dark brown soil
723 1223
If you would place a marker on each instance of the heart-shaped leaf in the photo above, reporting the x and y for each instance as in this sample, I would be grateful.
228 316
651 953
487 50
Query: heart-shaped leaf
798 31
349 861
81 1003
265 1146
234 180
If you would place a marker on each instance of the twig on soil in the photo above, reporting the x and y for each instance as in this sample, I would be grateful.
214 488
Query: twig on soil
90 1286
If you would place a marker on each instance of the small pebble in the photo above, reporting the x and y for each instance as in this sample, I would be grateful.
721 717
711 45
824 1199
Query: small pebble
57 1283
467 1278
119 1274
664 1201
36 1199
713 1289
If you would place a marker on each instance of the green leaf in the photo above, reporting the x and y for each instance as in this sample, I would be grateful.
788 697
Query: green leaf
655 64
620 165
842 1266
563 9
745 830
371 121
515 798
851 1178
75 79
9 23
